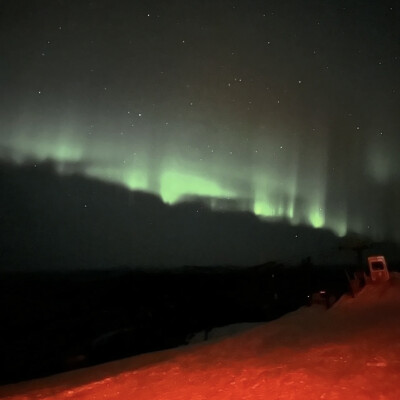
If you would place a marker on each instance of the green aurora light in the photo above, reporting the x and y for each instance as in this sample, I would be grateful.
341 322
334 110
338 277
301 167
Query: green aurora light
269 191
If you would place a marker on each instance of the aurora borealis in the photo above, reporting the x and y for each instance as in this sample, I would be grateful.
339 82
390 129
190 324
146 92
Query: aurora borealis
286 109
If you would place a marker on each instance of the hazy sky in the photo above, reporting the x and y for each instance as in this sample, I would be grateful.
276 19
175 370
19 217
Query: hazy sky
287 109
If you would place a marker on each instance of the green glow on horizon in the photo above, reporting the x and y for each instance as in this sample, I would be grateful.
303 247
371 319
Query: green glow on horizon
270 191
263 205
58 148
134 179
290 211
137 180
274 195
264 209
340 228
176 184
317 218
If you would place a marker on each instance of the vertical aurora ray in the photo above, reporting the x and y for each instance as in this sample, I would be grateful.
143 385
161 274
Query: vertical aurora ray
274 180
273 198
378 163
317 197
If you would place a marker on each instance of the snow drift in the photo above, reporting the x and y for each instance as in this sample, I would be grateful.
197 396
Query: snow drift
351 351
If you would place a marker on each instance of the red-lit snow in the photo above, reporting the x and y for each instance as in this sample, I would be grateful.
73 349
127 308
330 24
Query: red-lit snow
351 351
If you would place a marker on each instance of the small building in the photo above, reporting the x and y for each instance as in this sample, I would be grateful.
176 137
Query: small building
378 269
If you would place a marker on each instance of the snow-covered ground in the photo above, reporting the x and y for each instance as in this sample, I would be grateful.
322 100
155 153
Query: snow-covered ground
351 351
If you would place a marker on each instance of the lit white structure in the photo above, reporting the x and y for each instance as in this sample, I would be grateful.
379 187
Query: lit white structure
378 269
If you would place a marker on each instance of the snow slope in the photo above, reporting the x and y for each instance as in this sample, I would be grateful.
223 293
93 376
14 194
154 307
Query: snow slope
351 351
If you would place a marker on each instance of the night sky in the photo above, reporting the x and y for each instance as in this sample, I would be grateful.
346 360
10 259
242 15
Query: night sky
284 109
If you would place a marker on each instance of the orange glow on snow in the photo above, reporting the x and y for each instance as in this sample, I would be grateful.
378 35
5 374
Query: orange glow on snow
349 352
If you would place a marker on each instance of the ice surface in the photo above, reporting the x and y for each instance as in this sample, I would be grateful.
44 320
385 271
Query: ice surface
351 351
